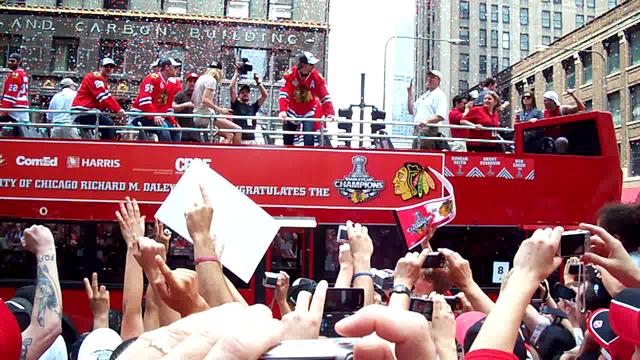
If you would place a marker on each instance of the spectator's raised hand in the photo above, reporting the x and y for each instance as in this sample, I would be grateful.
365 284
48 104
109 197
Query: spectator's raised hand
408 269
178 289
359 240
98 301
459 269
443 328
199 218
131 223
162 235
608 252
568 278
145 251
282 287
304 322
408 330
345 258
38 240
536 256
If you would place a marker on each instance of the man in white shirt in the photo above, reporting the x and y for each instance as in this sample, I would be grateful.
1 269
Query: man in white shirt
63 101
430 108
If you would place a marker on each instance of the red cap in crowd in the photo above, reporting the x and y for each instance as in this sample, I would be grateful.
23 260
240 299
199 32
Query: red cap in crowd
10 335
625 315
600 327
192 75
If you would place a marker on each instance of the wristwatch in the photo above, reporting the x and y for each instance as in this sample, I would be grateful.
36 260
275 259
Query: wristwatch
401 289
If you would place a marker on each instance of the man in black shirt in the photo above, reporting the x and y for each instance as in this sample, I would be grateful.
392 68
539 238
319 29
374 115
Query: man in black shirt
182 105
241 105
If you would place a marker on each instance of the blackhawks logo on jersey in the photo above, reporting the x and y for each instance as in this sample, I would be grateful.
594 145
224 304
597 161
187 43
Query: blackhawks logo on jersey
302 95
15 75
97 74
154 76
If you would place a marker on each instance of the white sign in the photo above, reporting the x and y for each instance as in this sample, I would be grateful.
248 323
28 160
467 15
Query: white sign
500 270
245 230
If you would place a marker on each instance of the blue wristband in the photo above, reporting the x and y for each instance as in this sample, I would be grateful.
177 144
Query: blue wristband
357 275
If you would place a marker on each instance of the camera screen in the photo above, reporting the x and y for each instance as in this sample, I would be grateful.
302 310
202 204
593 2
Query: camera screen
573 243
343 235
270 279
575 269
435 260
422 306
344 300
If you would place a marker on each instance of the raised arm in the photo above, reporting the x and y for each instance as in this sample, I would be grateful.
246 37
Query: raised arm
460 274
410 100
263 91
98 302
578 107
46 318
233 85
361 249
346 267
131 225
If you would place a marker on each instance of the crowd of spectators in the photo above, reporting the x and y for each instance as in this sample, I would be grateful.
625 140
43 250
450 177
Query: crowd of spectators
591 313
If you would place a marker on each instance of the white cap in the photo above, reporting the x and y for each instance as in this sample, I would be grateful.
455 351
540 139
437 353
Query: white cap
436 73
552 95
66 82
57 350
308 58
155 63
168 61
107 61
474 94
99 344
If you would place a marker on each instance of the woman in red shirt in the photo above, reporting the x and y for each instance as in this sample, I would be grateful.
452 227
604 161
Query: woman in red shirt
480 117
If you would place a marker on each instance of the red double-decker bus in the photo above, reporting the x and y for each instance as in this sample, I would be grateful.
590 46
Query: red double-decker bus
561 172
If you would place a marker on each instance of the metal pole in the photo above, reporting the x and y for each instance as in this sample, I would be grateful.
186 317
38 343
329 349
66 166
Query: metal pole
362 106
95 135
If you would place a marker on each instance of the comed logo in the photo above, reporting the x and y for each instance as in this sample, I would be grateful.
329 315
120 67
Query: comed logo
40 162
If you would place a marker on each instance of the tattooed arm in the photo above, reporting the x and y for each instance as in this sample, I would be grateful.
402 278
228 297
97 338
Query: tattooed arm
46 318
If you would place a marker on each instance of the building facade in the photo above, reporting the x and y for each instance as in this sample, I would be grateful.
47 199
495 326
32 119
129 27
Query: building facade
602 62
61 38
499 33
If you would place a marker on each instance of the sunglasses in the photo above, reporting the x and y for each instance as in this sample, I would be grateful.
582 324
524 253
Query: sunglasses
526 97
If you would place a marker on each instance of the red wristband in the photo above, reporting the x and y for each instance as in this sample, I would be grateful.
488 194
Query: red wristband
202 259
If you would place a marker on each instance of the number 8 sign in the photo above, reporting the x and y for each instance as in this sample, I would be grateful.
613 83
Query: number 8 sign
500 270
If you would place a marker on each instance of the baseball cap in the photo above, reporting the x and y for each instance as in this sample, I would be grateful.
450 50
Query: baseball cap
474 94
99 344
155 63
57 350
192 75
15 56
519 349
554 340
465 321
107 62
301 284
21 309
215 64
435 73
600 327
10 335
168 62
552 95
66 82
625 315
308 58
245 87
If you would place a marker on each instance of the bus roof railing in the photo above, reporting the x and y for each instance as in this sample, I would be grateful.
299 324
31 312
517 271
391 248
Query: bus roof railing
213 130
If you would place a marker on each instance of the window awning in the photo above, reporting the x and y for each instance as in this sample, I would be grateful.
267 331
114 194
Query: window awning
630 195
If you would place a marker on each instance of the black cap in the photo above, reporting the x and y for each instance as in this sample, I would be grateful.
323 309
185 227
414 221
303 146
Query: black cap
245 87
168 62
519 350
215 64
16 56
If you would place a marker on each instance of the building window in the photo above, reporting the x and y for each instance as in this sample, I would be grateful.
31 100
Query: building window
464 9
494 13
520 88
612 47
612 4
482 13
634 47
238 8
524 42
116 50
506 14
463 86
524 16
613 106
175 6
546 39
505 63
464 33
464 62
173 50
557 2
591 4
635 102
580 3
115 4
588 105
9 44
506 40
590 18
483 37
634 161
281 63
483 64
280 9
548 78
546 19
579 20
64 54
494 38
587 71
557 20
494 65
570 73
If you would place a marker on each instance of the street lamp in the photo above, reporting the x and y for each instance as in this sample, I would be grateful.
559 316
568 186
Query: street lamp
386 45
604 63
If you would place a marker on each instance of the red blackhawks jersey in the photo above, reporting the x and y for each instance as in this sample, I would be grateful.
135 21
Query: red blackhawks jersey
15 94
156 95
298 95
94 94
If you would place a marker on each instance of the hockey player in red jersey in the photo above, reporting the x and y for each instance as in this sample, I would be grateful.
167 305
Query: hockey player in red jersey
303 85
93 95
155 95
15 94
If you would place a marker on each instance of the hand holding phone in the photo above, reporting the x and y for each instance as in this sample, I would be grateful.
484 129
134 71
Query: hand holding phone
574 243
434 260
342 235
270 280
